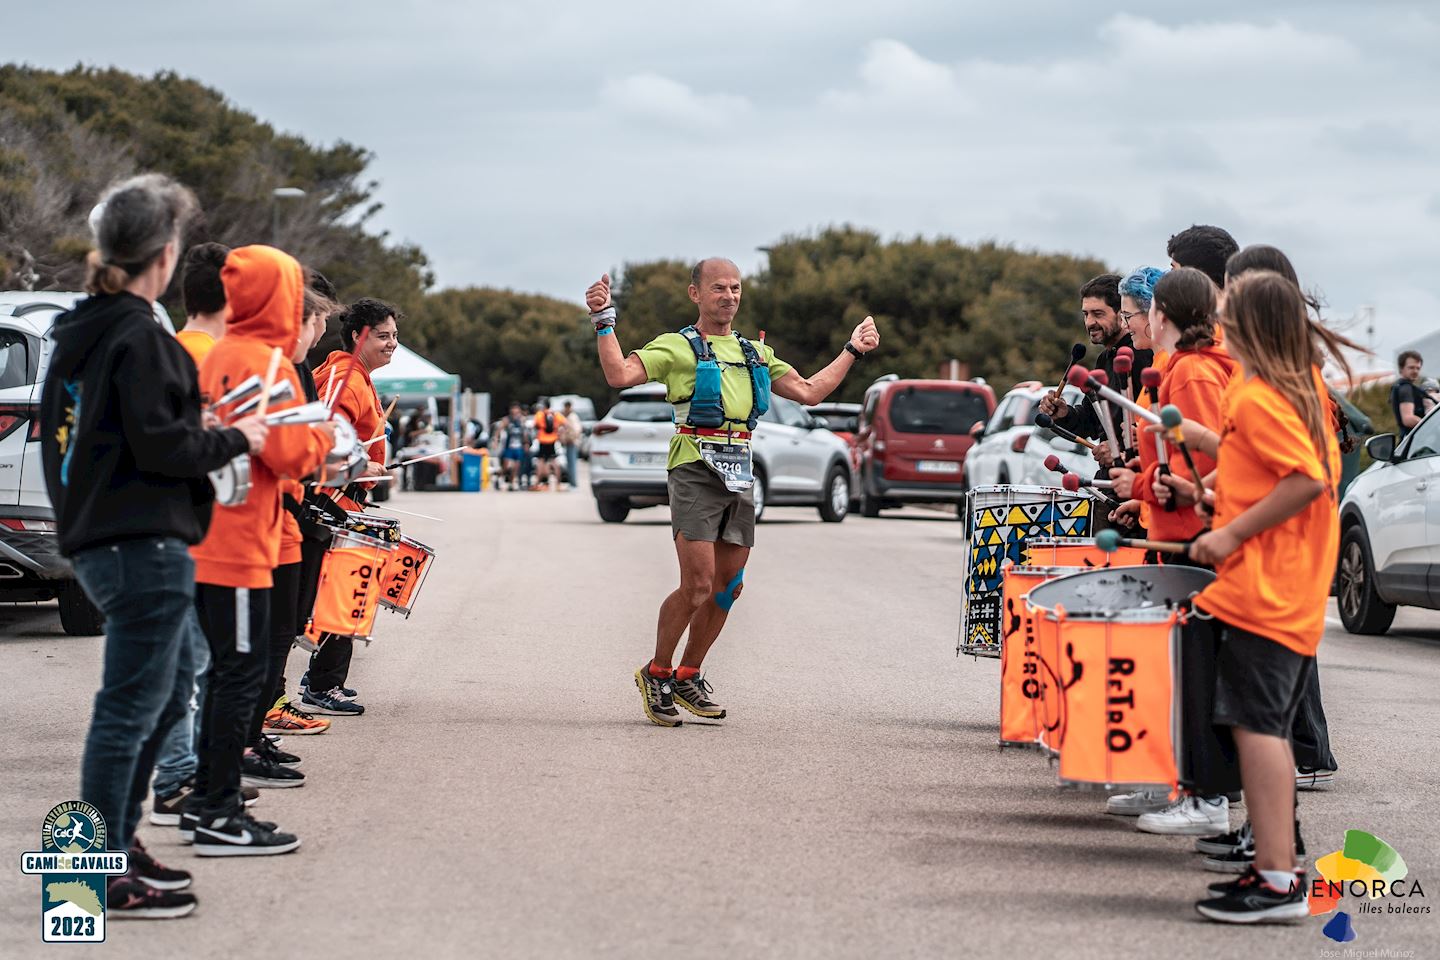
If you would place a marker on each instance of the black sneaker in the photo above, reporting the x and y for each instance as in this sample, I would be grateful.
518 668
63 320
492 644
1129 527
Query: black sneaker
694 695
128 897
190 819
1221 887
273 753
153 873
1239 859
1313 778
258 770
1252 900
249 795
657 697
165 811
239 835
1225 843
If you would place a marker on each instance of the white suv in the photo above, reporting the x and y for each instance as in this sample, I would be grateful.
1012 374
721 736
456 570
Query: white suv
1390 531
798 462
1012 449
31 567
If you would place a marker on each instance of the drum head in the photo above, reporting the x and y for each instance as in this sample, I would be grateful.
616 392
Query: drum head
1121 589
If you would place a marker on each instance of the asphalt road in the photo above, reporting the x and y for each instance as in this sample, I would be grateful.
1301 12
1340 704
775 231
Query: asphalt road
504 796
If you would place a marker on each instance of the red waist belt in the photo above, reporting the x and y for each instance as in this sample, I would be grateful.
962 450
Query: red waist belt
712 432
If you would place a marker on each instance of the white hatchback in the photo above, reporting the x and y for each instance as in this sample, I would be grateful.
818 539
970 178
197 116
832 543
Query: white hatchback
798 462
1390 530
1012 449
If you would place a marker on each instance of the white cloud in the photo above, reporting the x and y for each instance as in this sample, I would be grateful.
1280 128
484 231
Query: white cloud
652 95
893 76
1220 46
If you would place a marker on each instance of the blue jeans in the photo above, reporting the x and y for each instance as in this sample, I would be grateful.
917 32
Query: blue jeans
145 588
572 463
176 761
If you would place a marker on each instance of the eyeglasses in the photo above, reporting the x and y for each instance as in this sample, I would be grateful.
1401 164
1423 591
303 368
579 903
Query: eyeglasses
1125 317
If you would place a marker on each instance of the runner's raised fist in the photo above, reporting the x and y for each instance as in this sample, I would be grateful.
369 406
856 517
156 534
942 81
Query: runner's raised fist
866 337
597 298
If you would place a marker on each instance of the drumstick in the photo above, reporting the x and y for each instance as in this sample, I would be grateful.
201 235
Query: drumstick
428 456
350 370
1098 382
1110 541
329 388
1046 422
1124 363
1171 417
1077 353
1052 462
270 372
409 513
1150 380
1076 481
384 419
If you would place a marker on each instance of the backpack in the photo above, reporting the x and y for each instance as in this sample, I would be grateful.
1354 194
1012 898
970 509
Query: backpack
707 405
549 422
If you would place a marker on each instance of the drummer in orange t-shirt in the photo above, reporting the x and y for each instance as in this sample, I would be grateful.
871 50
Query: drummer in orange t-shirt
323 689
204 297
1274 547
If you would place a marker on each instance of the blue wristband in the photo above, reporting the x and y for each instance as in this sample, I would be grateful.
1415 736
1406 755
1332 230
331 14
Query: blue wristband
604 330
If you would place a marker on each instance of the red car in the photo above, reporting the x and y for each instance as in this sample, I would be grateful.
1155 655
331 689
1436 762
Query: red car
912 439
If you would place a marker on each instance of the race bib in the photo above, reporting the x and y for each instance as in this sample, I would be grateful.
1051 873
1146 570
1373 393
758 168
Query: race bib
730 459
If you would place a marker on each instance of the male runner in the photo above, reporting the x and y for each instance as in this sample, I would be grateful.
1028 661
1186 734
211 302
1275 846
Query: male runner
712 500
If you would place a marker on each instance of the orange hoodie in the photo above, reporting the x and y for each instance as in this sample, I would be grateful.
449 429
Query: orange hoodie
357 402
1195 381
264 287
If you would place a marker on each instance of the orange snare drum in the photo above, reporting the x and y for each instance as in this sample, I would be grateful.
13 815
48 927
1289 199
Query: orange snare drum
1022 703
1078 552
405 574
350 585
1111 638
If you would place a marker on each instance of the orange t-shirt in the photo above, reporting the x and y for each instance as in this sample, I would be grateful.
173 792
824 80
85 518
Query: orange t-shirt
553 434
1194 381
197 344
1277 582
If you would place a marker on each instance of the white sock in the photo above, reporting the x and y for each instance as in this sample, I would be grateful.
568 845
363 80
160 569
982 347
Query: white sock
1279 879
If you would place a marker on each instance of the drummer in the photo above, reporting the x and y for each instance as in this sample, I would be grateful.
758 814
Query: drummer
322 689
233 563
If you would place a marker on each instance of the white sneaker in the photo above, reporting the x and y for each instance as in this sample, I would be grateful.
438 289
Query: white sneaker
1318 778
1147 800
1188 817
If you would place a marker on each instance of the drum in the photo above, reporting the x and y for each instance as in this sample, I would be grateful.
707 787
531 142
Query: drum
1078 552
347 458
348 594
375 527
1022 694
1109 644
232 481
405 574
999 521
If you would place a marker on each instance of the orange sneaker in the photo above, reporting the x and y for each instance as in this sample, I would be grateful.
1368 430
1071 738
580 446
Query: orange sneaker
287 719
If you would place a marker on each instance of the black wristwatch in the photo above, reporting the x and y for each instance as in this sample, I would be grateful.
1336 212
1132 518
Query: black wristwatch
857 354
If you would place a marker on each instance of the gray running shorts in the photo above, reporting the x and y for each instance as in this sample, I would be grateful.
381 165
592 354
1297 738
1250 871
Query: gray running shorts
703 510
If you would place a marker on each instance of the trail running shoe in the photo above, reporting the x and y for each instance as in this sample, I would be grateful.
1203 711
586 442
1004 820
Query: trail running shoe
285 717
694 695
128 897
273 753
1222 887
345 692
1146 800
1225 843
239 835
331 703
258 770
1188 816
1252 900
658 698
153 873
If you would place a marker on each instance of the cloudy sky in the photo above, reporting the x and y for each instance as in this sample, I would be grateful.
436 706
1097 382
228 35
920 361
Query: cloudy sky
532 145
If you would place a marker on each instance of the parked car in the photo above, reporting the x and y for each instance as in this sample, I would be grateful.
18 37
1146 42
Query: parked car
797 461
31 567
912 439
841 419
1011 449
1390 530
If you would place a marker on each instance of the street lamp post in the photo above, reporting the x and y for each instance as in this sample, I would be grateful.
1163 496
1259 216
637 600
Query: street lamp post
276 195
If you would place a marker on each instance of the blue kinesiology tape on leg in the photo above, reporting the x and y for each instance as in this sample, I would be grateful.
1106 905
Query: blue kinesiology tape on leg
725 599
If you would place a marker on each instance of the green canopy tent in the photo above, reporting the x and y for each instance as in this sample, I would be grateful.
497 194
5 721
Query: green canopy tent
418 382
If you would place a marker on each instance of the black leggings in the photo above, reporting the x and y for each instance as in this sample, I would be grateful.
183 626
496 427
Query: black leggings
234 686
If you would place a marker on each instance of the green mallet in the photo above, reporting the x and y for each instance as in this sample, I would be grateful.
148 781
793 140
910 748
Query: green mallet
1171 417
1110 541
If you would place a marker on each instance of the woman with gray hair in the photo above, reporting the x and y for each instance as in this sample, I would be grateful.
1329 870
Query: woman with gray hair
126 457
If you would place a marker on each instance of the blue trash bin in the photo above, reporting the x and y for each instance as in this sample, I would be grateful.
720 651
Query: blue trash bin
470 471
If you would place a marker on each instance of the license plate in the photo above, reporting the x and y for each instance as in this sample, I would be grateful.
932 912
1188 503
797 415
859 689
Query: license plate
937 466
647 459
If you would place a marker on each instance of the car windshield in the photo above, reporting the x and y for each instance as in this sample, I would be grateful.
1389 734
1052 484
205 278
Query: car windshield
642 411
15 368
843 422
936 411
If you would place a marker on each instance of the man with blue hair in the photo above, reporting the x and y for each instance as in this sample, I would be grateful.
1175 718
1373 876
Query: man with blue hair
1102 310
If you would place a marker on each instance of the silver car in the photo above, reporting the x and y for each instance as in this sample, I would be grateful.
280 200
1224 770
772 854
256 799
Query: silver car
798 462
1012 449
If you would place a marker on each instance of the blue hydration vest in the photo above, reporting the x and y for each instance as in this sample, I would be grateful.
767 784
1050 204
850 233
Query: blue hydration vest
707 406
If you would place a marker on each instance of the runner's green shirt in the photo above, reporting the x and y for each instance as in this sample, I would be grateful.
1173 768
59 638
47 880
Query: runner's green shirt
668 359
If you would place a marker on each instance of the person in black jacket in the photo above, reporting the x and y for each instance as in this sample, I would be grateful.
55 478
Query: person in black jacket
126 457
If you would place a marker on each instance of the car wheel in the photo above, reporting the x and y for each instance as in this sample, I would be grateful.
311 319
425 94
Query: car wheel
759 490
869 505
835 500
1361 609
613 510
78 616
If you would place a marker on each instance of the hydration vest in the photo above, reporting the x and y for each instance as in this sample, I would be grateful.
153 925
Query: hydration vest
707 406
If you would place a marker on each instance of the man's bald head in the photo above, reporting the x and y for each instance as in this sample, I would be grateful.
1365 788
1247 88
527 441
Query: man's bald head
697 273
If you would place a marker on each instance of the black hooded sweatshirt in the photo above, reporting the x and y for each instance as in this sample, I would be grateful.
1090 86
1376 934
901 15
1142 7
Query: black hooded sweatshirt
125 454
